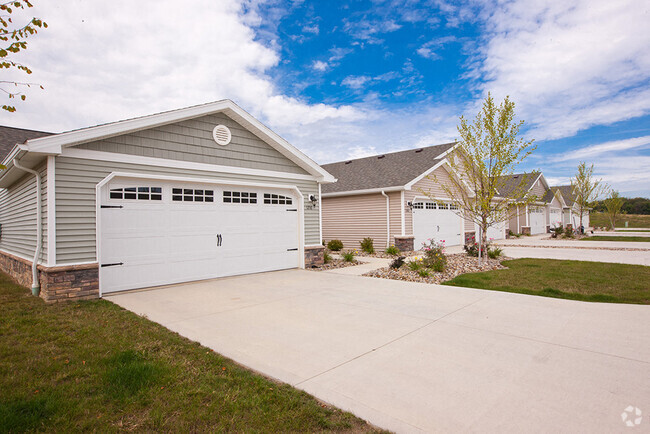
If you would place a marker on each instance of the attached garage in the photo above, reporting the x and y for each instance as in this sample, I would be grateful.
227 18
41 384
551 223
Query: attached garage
496 231
192 194
437 221
537 220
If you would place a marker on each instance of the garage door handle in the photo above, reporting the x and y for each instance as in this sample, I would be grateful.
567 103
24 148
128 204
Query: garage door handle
292 250
219 240
113 264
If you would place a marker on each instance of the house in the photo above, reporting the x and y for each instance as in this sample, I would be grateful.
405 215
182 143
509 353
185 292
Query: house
395 199
190 194
527 218
571 210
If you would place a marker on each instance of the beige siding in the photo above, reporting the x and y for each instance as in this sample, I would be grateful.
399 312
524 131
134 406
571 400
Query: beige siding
18 216
395 215
191 140
538 190
75 201
352 218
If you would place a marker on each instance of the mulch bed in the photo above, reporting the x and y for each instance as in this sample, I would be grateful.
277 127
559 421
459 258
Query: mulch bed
384 255
457 264
335 263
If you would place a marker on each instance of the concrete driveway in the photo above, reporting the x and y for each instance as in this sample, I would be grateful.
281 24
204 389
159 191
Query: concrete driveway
413 357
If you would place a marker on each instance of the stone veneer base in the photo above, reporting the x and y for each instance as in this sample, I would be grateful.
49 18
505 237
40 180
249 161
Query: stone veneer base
404 243
314 256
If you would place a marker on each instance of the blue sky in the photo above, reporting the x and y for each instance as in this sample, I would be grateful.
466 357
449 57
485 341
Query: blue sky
345 80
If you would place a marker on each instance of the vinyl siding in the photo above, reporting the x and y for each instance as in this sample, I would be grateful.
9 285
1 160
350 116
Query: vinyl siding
192 141
538 190
18 216
75 201
395 215
352 218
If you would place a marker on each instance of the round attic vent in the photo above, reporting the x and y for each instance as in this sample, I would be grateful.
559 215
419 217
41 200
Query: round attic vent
221 134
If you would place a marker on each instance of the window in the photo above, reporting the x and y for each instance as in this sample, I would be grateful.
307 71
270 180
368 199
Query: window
276 199
136 193
418 205
192 195
239 197
430 205
443 206
453 206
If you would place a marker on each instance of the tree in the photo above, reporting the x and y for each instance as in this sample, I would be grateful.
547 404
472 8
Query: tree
613 205
488 152
585 188
16 38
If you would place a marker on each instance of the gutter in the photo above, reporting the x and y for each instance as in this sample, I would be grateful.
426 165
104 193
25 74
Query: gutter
36 287
387 218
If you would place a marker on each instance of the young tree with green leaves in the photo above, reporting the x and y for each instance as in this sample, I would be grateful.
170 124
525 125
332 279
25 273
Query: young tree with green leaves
613 204
586 189
15 37
487 153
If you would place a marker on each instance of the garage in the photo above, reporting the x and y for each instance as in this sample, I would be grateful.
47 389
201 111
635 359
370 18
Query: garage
496 231
438 221
155 232
555 217
537 220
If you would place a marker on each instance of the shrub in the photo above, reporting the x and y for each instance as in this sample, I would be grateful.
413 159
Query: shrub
348 256
568 232
492 251
556 231
471 249
495 252
327 258
397 262
392 250
367 245
434 256
414 265
335 245
423 272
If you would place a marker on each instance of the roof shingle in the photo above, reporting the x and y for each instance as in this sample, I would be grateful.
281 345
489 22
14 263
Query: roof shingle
10 136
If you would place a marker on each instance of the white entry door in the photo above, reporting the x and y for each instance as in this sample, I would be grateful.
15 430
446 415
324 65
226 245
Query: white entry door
160 232
537 220
436 221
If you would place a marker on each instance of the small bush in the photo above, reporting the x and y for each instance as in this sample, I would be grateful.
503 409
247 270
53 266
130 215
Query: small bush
335 245
392 250
434 255
414 265
367 245
327 258
568 232
556 231
423 272
492 251
495 252
348 256
397 263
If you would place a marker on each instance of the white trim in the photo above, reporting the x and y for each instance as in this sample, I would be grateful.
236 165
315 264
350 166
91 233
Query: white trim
18 255
527 217
55 143
368 191
51 212
320 213
444 154
387 218
313 245
177 164
107 179
402 213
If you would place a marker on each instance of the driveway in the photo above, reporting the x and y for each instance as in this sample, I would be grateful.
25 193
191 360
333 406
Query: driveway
413 357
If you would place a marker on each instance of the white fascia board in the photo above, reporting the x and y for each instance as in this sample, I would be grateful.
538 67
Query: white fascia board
54 144
177 164
367 191
444 154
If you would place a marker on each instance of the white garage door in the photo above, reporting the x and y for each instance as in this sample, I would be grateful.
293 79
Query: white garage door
496 231
537 220
555 217
155 233
437 221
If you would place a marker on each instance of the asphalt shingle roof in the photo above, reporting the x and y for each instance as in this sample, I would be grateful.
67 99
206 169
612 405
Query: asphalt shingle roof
567 194
10 136
520 182
382 171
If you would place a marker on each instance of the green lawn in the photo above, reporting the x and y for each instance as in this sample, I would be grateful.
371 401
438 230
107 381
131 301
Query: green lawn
615 238
576 280
93 366
599 219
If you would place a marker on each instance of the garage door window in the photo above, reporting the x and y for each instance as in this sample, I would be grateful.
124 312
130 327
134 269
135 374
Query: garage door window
239 197
430 205
192 195
136 193
276 199
418 205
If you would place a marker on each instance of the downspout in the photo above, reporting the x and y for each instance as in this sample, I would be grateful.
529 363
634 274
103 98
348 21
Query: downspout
387 218
36 287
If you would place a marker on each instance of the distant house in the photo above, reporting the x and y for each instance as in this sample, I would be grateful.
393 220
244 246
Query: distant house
394 198
532 218
571 210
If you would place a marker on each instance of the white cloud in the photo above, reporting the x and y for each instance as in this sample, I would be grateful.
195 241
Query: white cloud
427 53
614 147
569 65
355 82
319 65
313 29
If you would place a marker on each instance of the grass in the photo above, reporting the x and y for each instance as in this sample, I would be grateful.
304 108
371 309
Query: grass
615 238
93 366
600 219
575 280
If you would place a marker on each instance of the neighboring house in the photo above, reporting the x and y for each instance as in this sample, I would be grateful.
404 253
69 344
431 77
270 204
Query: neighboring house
571 210
190 194
555 207
532 218
395 199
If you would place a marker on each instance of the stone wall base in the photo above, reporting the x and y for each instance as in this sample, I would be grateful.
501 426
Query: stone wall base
470 238
405 243
314 256
548 229
63 283
525 230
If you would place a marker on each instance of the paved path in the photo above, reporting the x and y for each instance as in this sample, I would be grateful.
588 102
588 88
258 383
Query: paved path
412 357
641 257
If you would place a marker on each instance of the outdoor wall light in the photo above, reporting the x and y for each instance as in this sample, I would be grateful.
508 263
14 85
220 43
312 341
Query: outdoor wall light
313 199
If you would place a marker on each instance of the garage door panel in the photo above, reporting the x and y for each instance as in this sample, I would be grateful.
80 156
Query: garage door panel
432 222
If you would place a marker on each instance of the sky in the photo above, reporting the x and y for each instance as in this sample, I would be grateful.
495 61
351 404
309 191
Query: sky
342 80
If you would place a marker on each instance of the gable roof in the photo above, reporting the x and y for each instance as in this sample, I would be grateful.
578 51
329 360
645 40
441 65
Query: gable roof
395 169
10 137
53 144
567 194
522 181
